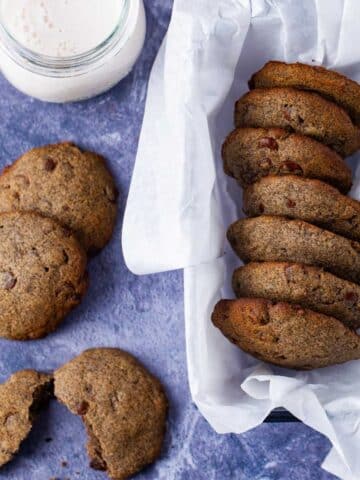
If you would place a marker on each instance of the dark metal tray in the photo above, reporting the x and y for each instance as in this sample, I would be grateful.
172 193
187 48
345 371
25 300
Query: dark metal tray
280 415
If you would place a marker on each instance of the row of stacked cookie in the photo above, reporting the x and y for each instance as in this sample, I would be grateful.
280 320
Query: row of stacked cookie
299 295
57 204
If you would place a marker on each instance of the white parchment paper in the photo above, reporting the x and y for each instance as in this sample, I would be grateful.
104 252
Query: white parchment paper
180 202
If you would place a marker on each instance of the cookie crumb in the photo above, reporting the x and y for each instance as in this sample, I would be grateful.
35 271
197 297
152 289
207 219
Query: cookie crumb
64 463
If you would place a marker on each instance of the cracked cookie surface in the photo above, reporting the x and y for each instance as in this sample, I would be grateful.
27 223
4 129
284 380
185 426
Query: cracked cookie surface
122 405
65 183
42 274
21 396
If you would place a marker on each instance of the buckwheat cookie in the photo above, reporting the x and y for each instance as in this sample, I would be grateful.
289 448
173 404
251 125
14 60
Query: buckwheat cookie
122 405
328 83
251 153
311 287
21 398
42 274
299 111
284 334
279 239
63 182
310 200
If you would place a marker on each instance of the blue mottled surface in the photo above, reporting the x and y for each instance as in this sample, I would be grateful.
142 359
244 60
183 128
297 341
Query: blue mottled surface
143 315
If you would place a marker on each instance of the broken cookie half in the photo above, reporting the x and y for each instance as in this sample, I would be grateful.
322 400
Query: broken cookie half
122 405
21 398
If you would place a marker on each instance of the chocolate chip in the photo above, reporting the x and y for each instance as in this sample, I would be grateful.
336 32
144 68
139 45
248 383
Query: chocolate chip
49 164
7 280
268 142
261 208
82 407
351 297
290 203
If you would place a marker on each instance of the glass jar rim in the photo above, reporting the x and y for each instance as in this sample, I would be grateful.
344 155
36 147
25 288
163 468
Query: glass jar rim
47 65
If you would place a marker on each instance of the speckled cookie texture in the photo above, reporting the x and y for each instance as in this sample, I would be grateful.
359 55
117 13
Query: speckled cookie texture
284 334
21 396
279 239
63 182
329 83
311 287
300 111
252 153
42 274
122 405
310 200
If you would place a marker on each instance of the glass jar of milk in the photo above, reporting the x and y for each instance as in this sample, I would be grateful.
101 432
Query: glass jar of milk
66 50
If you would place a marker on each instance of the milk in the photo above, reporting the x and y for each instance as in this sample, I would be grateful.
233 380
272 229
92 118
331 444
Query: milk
60 28
65 50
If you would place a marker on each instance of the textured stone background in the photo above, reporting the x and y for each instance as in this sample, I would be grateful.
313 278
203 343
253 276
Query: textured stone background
143 315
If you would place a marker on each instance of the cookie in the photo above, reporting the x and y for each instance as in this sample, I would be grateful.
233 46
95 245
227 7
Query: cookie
42 274
286 335
299 111
279 239
122 405
65 183
295 283
310 200
252 153
21 397
328 83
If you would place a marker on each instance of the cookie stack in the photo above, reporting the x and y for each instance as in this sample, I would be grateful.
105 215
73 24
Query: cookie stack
298 294
57 204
